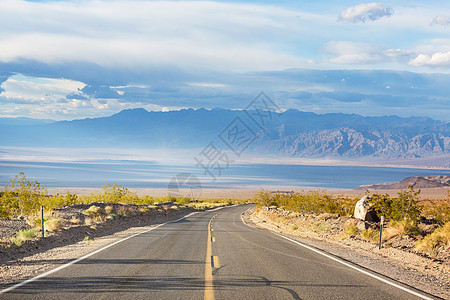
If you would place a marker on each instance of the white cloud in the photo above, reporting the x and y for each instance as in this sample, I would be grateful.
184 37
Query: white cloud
436 60
40 89
435 54
365 12
441 20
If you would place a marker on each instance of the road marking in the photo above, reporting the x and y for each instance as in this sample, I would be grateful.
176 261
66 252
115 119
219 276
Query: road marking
87 256
209 289
356 268
216 263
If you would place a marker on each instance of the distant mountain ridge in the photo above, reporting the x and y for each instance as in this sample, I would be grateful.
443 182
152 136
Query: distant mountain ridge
295 133
418 182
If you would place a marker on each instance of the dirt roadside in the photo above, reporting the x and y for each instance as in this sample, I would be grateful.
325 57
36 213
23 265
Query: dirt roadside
426 274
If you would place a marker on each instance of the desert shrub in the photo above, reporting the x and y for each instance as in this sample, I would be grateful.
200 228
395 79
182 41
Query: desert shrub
320 226
57 201
53 224
21 197
370 235
117 194
111 217
22 236
109 209
433 242
183 200
125 211
404 227
143 209
95 213
34 220
440 211
146 200
316 202
403 207
75 221
351 230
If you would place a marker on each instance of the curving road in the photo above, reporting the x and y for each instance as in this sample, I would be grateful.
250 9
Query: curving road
210 255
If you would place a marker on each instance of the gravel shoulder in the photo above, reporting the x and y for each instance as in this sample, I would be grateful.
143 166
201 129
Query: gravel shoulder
422 273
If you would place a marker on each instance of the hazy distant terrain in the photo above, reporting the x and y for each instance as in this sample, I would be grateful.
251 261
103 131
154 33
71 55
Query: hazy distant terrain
418 182
296 133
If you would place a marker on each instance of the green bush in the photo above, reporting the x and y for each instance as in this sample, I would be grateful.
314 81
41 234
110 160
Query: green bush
21 197
316 202
118 194
403 207
57 201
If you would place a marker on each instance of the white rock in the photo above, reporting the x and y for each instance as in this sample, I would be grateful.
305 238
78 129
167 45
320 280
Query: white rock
361 208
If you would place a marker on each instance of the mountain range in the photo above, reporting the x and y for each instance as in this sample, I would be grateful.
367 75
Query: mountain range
293 133
418 182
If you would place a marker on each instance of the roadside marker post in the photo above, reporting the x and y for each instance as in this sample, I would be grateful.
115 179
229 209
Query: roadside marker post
42 220
381 231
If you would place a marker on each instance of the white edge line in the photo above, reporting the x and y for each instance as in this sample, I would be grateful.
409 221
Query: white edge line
350 266
86 256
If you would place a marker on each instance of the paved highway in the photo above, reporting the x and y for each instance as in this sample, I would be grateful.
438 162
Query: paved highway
210 255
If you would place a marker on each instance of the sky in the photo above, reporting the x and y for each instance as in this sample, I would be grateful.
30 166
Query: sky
67 60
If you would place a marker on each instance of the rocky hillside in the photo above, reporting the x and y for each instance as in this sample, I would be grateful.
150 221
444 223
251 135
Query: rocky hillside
350 143
293 132
438 181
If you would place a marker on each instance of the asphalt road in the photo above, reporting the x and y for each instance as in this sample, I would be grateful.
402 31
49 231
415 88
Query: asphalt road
210 255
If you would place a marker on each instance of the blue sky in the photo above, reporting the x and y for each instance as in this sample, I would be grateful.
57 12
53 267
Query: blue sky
76 59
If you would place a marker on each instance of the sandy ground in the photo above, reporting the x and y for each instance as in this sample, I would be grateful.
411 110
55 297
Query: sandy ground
432 193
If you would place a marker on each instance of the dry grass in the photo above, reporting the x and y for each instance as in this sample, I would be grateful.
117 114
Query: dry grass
404 228
351 230
109 209
54 225
95 213
75 221
437 241
370 235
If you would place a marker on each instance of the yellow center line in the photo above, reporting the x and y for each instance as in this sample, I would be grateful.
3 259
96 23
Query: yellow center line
209 289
